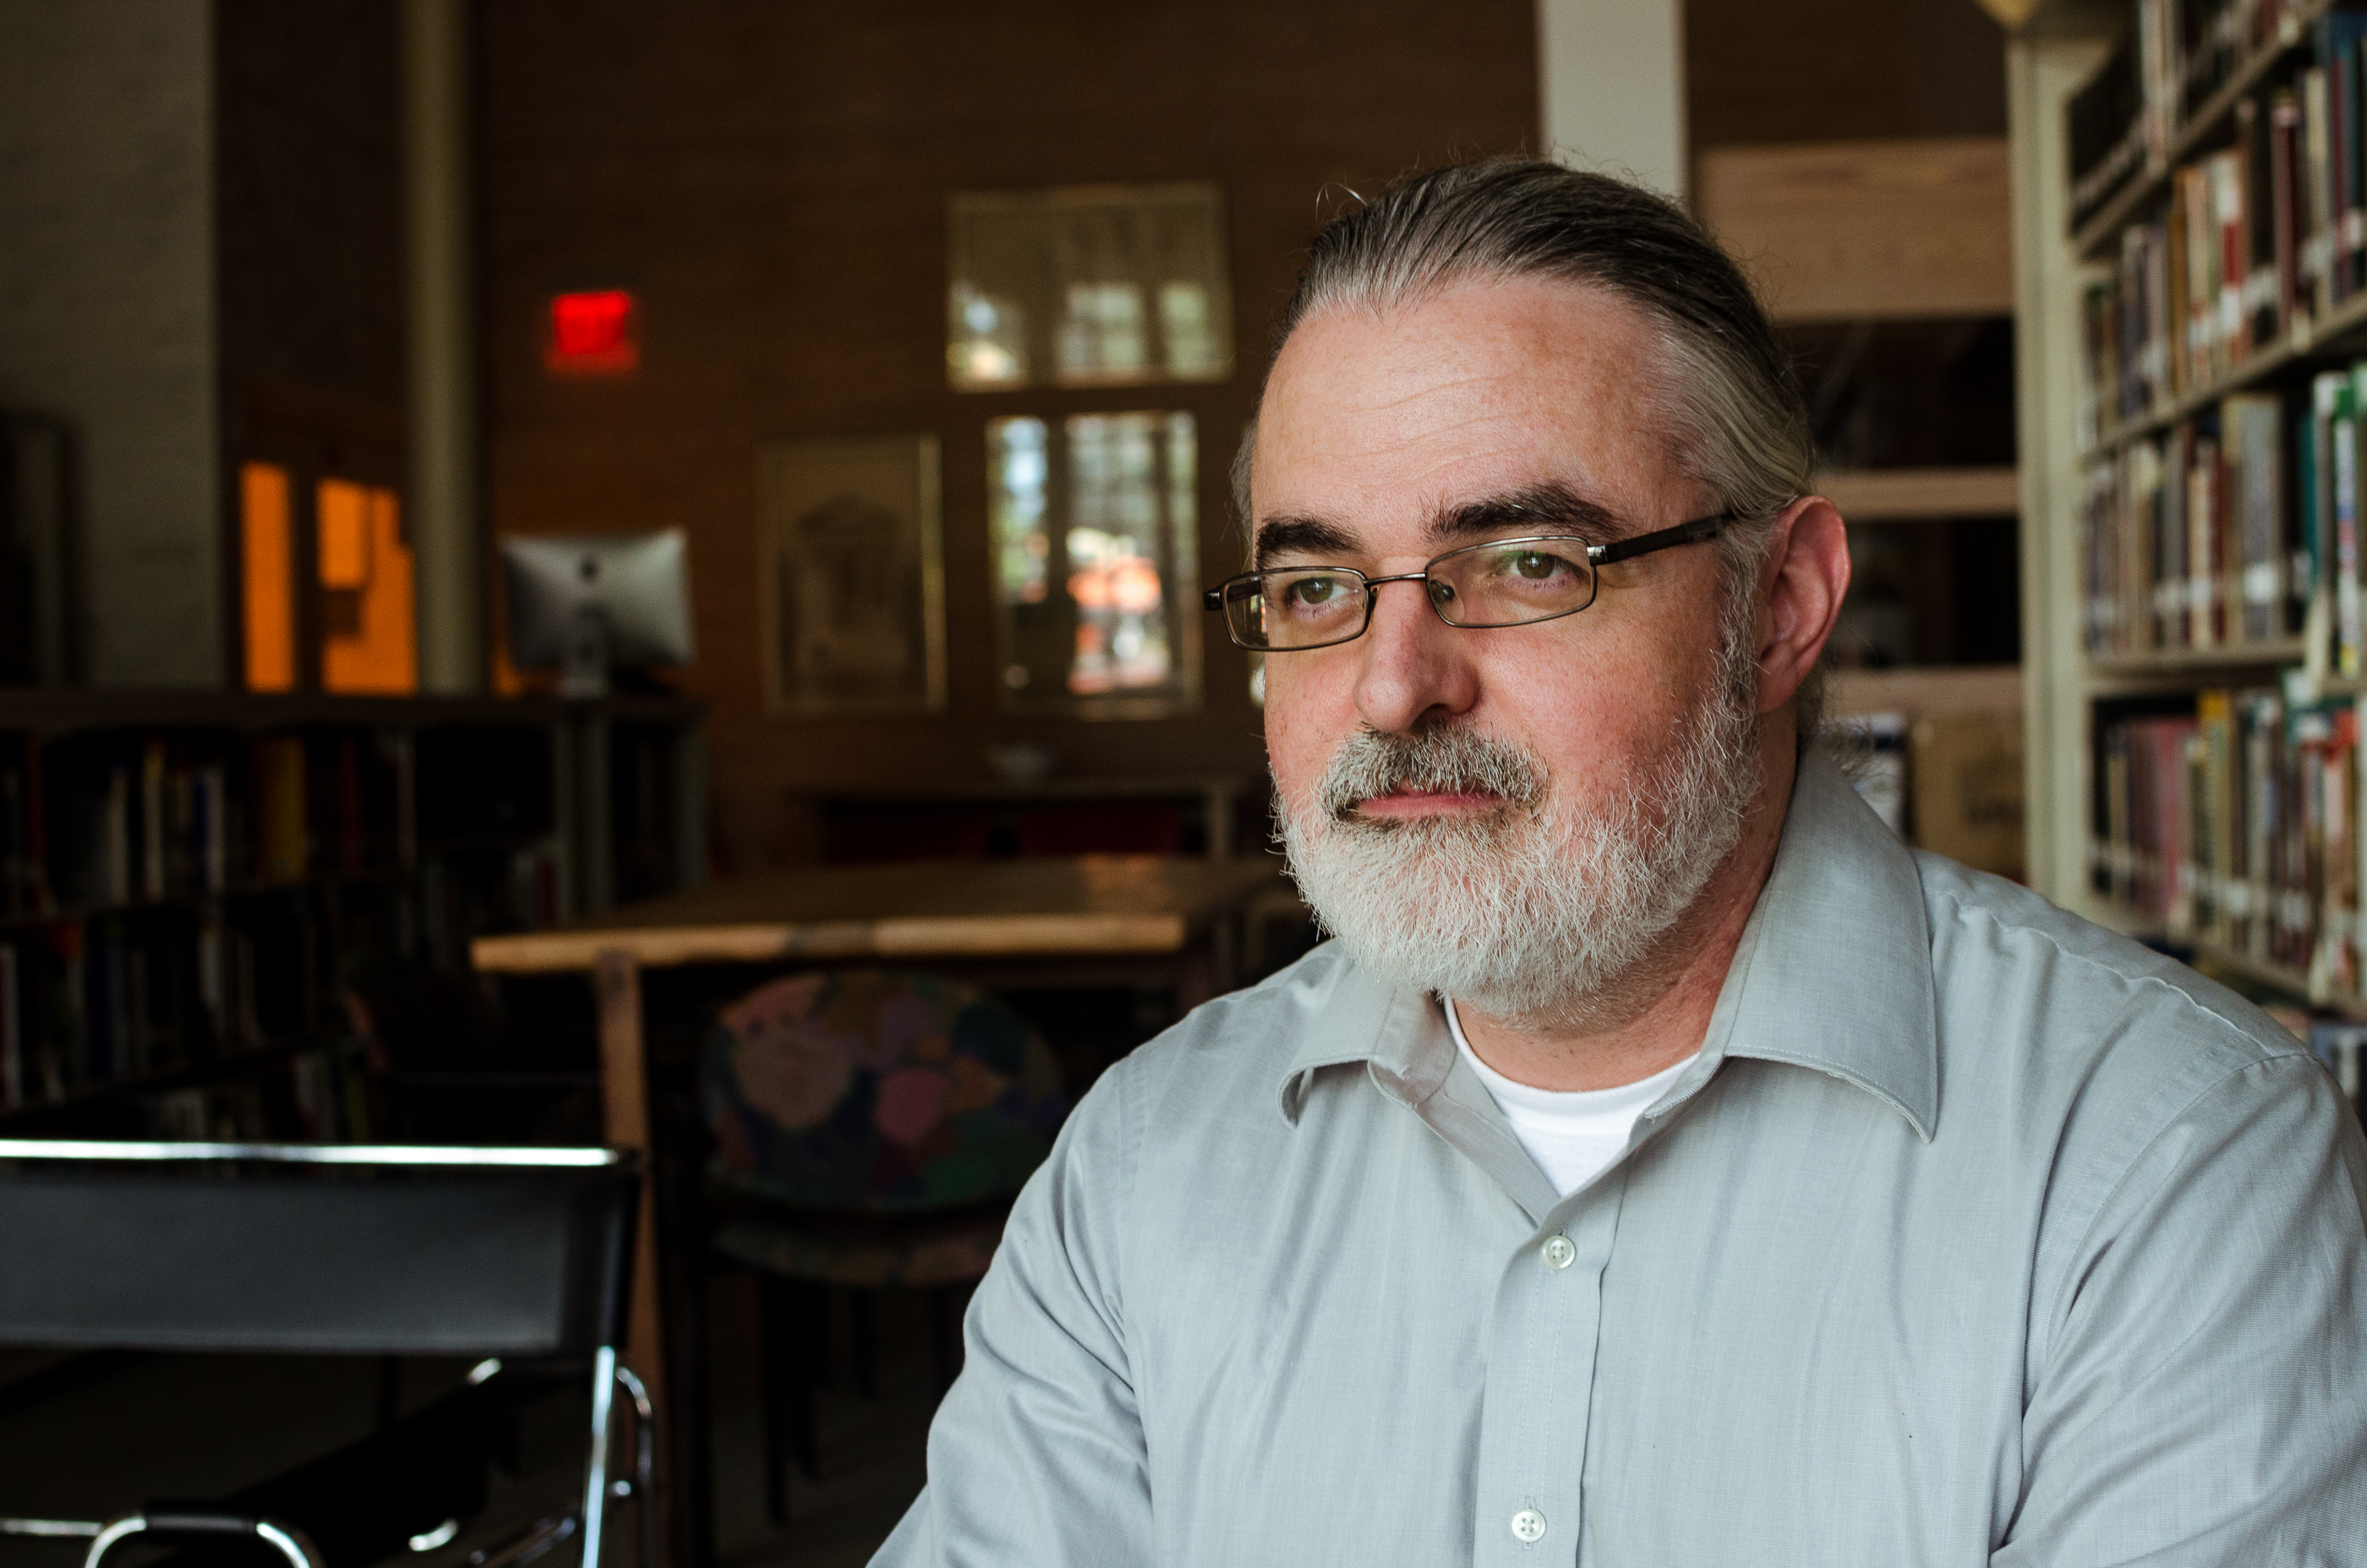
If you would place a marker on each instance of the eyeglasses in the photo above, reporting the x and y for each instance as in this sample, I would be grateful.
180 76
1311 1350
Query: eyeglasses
1503 582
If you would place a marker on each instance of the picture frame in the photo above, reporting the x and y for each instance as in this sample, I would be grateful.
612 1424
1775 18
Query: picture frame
852 574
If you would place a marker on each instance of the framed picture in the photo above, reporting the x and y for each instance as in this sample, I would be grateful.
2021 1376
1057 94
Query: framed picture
852 574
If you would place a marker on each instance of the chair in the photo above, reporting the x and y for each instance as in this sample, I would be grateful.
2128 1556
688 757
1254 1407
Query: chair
389 1250
871 1128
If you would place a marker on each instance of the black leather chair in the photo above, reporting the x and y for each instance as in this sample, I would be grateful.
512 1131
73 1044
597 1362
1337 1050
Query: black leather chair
520 1253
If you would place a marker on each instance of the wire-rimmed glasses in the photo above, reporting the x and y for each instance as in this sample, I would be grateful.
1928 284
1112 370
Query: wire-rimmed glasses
1501 583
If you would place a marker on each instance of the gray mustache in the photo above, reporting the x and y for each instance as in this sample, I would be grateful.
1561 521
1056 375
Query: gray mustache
1443 758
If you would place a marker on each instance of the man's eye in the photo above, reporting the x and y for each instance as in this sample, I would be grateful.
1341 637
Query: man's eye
1536 566
1312 592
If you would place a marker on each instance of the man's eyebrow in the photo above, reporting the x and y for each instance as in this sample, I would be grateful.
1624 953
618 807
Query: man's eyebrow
1287 535
1547 507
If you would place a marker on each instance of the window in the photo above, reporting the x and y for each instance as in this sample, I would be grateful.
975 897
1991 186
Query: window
1120 286
361 606
267 573
1095 538
1094 514
368 623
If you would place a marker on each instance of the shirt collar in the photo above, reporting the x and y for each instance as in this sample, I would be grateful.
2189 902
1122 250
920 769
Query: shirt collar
1834 969
1833 972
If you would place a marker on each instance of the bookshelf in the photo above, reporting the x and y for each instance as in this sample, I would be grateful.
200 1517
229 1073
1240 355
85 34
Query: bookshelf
193 886
1887 268
2191 271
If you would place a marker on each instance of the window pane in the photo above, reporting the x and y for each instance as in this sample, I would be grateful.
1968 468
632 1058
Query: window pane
370 643
1104 508
1103 287
267 572
986 340
1102 336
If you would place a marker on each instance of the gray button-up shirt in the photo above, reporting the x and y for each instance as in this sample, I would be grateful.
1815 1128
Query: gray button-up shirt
1975 1235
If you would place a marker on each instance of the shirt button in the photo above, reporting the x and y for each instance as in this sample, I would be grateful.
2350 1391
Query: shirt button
1528 1526
1559 1252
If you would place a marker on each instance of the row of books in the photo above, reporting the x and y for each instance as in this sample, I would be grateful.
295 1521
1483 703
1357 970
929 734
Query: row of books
2174 56
2341 1046
2238 825
127 994
2210 534
2260 240
325 1096
121 997
103 821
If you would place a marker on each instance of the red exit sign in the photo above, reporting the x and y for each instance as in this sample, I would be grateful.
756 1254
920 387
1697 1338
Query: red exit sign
592 333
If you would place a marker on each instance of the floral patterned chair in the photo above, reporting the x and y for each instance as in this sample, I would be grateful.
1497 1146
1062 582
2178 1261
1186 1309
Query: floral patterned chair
871 1128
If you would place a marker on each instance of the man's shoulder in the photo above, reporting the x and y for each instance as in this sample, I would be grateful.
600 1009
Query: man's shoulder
1999 935
1236 1049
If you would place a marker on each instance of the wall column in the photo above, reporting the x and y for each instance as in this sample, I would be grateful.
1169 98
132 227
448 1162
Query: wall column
109 327
2040 74
1612 87
445 499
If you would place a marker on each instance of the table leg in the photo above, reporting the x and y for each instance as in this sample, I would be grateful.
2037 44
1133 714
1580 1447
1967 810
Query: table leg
624 1107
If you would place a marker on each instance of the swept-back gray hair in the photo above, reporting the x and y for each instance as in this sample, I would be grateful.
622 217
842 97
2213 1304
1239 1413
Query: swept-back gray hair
1735 421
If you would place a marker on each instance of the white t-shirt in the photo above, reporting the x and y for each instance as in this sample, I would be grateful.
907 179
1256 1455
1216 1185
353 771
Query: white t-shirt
1571 1133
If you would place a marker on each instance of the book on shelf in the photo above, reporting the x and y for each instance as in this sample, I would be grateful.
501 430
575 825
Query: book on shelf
12 1036
2105 123
1965 771
187 906
2257 239
323 1096
104 820
2340 1044
2238 825
176 902
2199 537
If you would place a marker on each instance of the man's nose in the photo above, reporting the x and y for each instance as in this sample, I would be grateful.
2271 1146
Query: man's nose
1413 662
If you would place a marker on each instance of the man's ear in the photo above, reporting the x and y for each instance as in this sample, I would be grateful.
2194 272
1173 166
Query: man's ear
1807 575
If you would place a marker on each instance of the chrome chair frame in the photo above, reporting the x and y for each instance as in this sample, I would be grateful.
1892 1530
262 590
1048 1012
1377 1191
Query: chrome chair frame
281 1537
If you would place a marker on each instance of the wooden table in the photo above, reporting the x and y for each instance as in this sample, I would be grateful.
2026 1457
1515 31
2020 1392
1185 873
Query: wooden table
1045 917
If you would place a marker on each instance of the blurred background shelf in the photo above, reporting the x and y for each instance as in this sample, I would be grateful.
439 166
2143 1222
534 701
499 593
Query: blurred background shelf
1994 688
1893 495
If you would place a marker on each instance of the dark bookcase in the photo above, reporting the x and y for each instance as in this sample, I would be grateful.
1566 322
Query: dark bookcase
207 900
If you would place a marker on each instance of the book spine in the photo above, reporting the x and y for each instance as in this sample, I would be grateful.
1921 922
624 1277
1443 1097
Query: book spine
2345 531
2320 185
2355 171
2154 73
2201 541
2341 137
2265 509
152 839
16 848
2234 326
2192 239
2284 152
12 1032
2260 722
280 807
115 832
2139 469
2333 850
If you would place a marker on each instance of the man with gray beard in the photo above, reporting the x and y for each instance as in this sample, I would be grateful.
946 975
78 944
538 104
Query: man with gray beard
1664 1166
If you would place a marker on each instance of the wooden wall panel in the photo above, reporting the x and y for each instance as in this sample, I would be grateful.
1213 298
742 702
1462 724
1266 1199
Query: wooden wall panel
771 179
1866 231
1779 71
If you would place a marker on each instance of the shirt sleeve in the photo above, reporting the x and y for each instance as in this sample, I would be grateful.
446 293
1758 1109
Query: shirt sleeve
2201 1394
1037 1455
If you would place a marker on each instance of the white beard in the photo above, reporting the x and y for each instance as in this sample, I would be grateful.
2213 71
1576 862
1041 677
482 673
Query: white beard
1540 912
